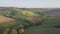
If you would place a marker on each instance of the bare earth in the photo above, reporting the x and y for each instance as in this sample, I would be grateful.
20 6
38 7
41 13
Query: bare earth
4 19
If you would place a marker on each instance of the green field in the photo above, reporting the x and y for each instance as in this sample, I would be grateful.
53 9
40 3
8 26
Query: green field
44 27
21 16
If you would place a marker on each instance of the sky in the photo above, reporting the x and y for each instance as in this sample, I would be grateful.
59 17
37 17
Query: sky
30 3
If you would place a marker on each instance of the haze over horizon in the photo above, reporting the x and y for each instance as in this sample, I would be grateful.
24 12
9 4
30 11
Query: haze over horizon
30 3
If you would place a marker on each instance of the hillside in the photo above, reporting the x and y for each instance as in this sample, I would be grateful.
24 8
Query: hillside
20 14
32 20
53 12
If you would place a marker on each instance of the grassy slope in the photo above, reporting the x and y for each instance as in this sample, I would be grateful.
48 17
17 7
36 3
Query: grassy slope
43 28
17 15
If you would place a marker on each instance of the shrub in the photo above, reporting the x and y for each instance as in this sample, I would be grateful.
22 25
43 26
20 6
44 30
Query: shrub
43 17
6 30
14 31
27 25
21 31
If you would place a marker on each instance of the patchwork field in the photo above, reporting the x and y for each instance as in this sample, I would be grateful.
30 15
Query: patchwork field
47 27
50 25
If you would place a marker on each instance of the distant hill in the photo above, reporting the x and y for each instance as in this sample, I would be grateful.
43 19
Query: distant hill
55 11
48 11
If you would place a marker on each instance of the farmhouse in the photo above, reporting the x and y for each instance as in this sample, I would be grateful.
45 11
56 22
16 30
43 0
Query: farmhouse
4 19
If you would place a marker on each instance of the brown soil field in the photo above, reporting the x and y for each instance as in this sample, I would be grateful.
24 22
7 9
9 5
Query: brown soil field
4 19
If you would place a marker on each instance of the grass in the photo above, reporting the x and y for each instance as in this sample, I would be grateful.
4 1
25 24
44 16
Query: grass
14 23
43 28
39 29
7 24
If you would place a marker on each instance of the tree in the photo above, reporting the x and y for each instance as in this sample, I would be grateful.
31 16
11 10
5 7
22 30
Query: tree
13 13
28 13
21 31
14 31
43 17
6 31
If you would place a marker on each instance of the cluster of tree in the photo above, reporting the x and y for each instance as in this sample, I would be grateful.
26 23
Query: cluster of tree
43 17
13 31
14 11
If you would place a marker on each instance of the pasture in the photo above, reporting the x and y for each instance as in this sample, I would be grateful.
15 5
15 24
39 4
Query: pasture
14 18
47 27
